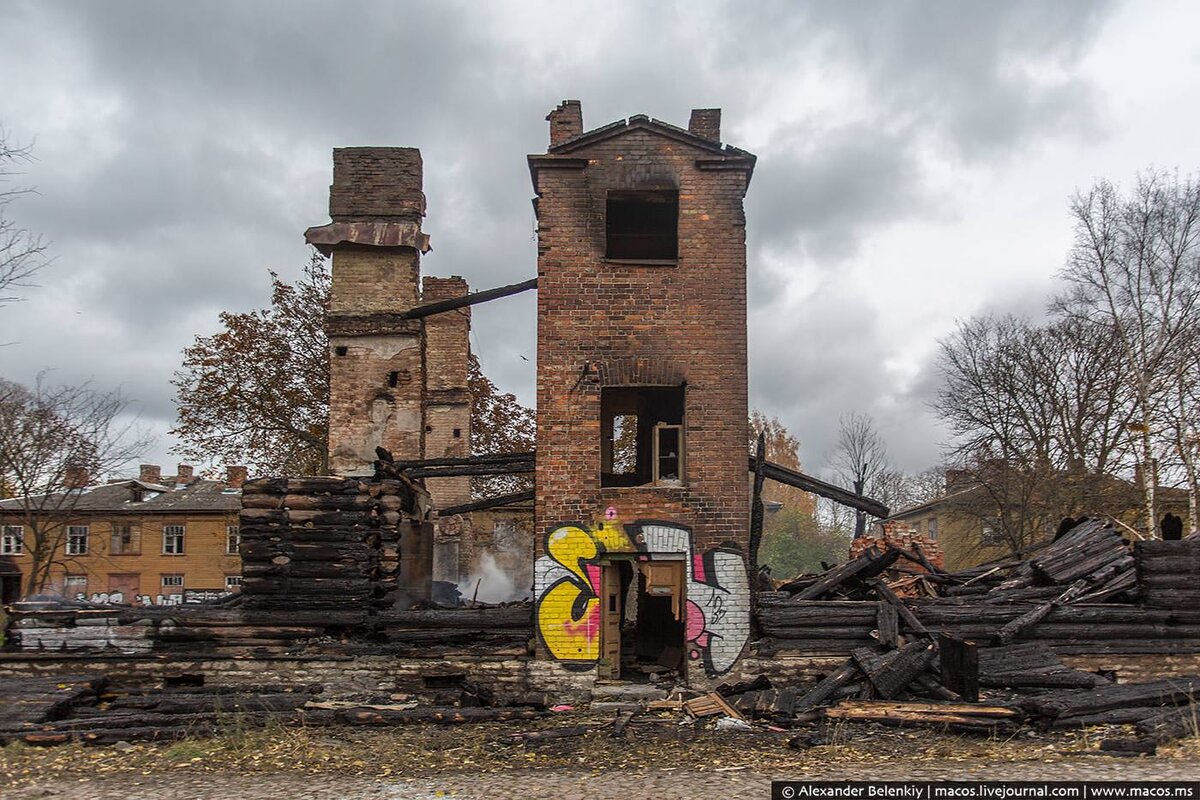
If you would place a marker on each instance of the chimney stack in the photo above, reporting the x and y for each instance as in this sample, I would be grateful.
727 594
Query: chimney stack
186 474
75 477
566 121
150 473
706 123
235 477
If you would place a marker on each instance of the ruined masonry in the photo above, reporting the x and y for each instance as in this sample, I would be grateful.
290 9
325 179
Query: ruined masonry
642 499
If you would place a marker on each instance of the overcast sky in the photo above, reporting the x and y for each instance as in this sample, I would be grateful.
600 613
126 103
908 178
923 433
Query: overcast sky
914 164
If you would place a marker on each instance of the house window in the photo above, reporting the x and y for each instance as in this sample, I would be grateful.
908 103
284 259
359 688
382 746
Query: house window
642 441
12 543
173 540
75 587
233 539
933 529
126 540
642 226
172 581
77 540
233 583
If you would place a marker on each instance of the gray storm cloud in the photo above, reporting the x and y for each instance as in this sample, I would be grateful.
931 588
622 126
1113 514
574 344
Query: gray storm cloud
183 148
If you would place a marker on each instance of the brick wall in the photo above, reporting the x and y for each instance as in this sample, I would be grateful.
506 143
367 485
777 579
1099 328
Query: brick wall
686 322
447 401
376 183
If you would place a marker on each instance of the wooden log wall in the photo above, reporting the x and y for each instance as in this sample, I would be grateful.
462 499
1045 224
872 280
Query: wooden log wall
1169 573
325 545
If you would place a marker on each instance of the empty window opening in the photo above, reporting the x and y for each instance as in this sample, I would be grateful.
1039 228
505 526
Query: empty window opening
458 433
393 379
641 432
126 540
643 226
341 351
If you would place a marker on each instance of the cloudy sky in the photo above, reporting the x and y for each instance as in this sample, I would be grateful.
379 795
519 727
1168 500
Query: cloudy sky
915 159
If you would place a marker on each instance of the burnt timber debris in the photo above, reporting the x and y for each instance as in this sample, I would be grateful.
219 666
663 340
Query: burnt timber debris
341 623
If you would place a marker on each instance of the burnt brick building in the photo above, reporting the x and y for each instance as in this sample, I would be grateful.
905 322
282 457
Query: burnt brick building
394 382
642 512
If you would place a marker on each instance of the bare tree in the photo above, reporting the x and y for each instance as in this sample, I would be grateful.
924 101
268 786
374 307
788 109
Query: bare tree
50 437
1135 267
860 459
1179 419
22 253
1047 396
1039 415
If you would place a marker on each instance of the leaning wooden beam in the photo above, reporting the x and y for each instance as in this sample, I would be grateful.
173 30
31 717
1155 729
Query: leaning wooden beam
509 468
756 512
469 299
494 458
489 502
790 477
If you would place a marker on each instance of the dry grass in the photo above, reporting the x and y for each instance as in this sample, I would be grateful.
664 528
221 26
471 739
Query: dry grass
426 750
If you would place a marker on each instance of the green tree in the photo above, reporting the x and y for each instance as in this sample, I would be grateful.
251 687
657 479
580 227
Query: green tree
794 543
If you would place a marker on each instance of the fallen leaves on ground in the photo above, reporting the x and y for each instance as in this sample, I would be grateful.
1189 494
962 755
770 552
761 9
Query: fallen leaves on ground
652 741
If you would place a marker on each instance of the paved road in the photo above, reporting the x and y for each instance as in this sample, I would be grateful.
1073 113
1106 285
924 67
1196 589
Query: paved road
577 784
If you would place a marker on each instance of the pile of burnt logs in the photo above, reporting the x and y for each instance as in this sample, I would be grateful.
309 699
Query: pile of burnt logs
324 549
1169 573
107 716
1075 594
488 630
86 709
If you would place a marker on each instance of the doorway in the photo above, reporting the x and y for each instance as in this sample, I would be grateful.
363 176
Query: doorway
644 621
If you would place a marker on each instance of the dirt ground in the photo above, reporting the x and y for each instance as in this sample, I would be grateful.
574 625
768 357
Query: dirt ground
658 757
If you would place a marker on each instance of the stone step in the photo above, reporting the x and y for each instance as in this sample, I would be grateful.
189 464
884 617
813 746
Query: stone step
628 692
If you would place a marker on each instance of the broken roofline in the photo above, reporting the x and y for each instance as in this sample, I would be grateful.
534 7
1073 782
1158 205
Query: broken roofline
723 156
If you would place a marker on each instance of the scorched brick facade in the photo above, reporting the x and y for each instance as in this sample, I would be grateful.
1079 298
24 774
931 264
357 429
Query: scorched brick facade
653 332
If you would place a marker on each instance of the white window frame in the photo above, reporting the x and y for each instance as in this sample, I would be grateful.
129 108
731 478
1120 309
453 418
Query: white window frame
135 541
233 583
78 535
173 576
233 540
13 541
77 580
176 534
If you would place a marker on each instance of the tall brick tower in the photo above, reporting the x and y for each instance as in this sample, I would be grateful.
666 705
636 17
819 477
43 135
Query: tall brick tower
642 493
394 382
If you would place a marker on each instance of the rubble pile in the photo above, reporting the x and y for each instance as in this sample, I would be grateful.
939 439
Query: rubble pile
88 710
1086 592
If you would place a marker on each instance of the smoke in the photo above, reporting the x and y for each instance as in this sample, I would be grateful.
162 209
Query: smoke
495 585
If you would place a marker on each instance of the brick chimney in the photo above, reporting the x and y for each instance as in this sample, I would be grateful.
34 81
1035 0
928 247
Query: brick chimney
706 123
186 474
566 121
150 473
235 477
75 477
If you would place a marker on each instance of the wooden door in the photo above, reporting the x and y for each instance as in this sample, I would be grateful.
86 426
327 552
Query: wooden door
610 626
127 584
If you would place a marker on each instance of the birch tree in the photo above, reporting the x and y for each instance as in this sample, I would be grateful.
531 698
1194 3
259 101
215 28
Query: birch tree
1135 266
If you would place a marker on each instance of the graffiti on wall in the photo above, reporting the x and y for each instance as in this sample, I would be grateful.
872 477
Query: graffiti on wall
567 591
118 598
